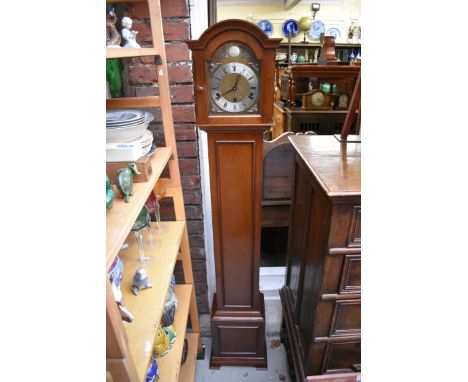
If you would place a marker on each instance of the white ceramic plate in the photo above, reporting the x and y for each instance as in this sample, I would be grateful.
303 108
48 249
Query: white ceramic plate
124 115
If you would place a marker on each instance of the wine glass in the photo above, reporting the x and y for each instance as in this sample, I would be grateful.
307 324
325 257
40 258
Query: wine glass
141 222
160 193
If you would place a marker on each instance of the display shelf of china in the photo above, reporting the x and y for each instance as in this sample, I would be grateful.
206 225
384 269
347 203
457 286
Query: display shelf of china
131 52
132 102
169 364
120 218
147 307
187 370
316 44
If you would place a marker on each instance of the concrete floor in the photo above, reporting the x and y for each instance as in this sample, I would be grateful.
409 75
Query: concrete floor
277 367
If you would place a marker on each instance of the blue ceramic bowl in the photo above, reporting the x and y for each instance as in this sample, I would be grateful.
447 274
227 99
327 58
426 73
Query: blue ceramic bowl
116 271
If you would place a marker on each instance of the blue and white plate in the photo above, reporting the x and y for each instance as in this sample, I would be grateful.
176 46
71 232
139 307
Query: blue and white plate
316 29
290 26
266 27
335 32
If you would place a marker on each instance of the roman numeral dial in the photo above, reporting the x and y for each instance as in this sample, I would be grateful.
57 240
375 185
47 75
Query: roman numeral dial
234 87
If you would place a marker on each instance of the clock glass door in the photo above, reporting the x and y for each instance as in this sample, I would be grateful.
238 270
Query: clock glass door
234 80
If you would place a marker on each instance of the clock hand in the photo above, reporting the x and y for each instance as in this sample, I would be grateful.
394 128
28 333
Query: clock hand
234 87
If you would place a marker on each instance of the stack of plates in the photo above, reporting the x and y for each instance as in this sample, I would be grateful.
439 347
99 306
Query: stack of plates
147 142
126 125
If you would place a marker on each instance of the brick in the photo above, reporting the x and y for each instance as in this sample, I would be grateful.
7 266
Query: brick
196 240
192 197
181 94
199 265
183 113
196 252
194 212
177 52
138 60
180 73
187 149
188 166
138 10
176 31
195 226
142 74
144 31
145 91
185 132
200 287
174 8
199 276
190 182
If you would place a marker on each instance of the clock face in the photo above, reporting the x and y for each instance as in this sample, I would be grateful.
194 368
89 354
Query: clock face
234 80
318 99
343 100
234 87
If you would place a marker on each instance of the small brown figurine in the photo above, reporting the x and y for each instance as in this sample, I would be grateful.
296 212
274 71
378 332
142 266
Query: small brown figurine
113 36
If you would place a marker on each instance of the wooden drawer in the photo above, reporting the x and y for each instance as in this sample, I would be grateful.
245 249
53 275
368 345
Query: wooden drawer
342 273
346 320
354 233
342 356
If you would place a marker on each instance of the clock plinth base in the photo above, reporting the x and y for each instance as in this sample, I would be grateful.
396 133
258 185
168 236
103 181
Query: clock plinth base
238 337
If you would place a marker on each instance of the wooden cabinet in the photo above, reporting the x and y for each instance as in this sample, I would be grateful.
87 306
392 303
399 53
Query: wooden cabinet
129 346
322 296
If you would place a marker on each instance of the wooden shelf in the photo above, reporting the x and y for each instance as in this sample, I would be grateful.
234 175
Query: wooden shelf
187 370
147 307
132 102
131 52
169 365
120 218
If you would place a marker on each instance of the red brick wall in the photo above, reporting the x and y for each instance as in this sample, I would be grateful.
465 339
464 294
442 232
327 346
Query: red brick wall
140 79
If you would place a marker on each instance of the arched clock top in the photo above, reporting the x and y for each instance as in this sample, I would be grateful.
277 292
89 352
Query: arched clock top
232 27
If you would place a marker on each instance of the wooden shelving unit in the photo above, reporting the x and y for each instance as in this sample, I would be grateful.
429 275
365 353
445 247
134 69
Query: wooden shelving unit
129 346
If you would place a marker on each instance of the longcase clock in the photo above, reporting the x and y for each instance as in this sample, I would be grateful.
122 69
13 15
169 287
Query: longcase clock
234 64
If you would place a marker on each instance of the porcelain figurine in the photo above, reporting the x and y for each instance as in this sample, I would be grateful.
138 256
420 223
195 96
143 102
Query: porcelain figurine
124 180
109 194
140 281
115 276
315 56
127 34
113 38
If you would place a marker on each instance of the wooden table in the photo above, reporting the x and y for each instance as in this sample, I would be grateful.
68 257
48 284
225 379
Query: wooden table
322 296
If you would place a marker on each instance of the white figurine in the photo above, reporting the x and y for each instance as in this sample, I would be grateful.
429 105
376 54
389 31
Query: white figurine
128 35
315 57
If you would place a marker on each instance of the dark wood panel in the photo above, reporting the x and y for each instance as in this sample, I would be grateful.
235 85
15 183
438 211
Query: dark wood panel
236 190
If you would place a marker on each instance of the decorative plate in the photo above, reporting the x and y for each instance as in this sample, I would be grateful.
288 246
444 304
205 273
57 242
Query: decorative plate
266 27
317 28
335 32
290 26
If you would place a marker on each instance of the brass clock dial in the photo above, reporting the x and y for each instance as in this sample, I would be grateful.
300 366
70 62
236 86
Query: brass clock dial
234 87
318 99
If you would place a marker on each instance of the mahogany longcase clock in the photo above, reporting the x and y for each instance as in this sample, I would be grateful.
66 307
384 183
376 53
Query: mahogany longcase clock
234 74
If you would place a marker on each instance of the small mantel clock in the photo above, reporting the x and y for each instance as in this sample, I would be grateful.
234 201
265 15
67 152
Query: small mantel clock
234 66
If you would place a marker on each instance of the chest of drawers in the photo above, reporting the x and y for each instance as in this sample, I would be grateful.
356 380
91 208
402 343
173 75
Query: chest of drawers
322 296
